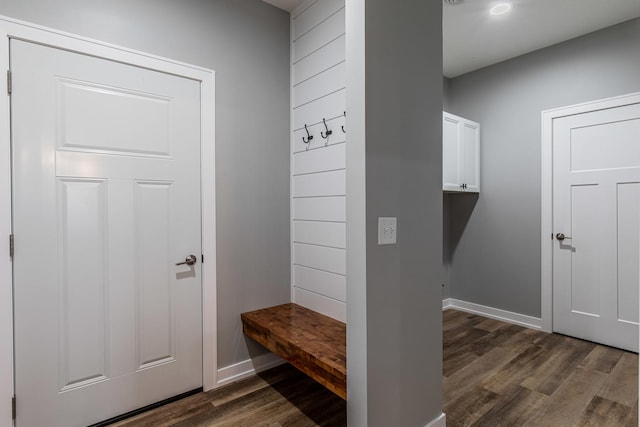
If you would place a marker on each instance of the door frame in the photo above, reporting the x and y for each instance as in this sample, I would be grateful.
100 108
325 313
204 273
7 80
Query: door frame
12 28
547 231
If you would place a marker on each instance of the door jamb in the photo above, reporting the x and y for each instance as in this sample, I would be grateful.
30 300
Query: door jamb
547 240
12 28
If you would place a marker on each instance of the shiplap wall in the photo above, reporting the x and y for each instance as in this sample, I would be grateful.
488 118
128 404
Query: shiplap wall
318 168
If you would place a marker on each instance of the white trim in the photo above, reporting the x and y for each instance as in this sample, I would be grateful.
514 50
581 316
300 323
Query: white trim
446 304
247 368
494 313
291 160
6 267
548 116
440 421
12 28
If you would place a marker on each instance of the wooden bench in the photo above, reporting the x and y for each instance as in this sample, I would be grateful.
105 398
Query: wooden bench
313 343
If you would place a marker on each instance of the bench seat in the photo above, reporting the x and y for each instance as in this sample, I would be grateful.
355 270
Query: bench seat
310 341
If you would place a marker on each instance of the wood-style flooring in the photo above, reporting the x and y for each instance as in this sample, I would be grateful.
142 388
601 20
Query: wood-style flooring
495 374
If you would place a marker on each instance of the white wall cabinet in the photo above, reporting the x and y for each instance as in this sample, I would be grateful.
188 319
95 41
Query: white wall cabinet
460 154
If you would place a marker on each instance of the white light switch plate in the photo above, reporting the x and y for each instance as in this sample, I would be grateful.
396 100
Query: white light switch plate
387 230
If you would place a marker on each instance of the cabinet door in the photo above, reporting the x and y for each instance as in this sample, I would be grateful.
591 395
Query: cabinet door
451 153
470 171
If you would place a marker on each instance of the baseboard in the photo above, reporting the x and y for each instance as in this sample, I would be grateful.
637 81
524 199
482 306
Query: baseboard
493 313
440 421
246 368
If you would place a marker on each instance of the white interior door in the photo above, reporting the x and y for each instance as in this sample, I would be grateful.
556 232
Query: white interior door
596 205
106 201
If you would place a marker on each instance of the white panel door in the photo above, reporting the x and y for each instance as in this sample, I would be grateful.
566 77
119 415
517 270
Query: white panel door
596 206
106 201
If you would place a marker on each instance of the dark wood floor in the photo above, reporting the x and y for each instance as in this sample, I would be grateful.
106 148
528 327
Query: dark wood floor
495 374
279 397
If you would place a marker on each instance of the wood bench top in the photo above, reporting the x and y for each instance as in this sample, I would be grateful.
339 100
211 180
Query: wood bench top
312 342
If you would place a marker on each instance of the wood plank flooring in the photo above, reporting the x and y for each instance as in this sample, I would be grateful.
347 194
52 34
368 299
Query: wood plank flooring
495 374
279 397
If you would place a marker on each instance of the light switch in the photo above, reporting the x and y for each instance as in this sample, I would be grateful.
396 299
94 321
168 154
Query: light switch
387 230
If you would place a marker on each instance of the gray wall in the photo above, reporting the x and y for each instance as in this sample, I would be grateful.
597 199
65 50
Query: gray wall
247 43
495 238
403 175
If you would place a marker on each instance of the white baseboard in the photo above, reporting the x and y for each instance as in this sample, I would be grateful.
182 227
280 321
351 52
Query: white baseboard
246 368
440 421
493 313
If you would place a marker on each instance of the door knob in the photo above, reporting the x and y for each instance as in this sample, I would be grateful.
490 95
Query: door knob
190 260
561 236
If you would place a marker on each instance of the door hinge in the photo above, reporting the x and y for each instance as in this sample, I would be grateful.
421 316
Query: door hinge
9 83
13 407
202 258
11 245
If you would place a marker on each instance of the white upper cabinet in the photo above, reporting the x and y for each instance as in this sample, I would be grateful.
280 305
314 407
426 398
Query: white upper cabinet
460 154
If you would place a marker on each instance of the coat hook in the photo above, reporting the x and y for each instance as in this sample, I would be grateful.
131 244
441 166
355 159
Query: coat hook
345 116
309 137
326 134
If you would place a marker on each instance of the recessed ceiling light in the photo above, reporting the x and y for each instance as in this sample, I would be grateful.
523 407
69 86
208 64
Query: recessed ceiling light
500 9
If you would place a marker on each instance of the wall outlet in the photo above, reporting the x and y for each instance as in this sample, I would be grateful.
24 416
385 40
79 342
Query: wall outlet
387 230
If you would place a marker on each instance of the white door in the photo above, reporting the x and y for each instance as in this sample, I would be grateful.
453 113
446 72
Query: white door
460 154
106 202
451 153
470 156
596 206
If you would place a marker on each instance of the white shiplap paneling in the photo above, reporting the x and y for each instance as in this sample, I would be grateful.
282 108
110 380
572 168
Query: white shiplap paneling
321 208
327 158
321 35
323 59
314 15
331 260
320 303
321 282
337 137
320 184
328 81
332 234
329 106
318 167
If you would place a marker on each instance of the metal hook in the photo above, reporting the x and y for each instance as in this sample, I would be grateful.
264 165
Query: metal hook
345 116
309 137
326 134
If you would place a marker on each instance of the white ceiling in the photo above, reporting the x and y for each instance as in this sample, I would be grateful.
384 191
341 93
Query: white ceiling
473 38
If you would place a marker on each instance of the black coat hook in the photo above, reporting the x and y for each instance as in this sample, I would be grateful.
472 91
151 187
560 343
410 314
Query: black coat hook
345 116
309 137
326 134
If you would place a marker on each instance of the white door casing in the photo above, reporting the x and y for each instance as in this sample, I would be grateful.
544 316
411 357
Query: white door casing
591 194
17 29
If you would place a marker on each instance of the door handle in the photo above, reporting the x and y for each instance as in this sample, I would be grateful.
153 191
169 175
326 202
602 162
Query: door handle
561 236
190 260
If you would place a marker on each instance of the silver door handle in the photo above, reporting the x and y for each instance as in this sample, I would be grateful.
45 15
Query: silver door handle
561 236
190 260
